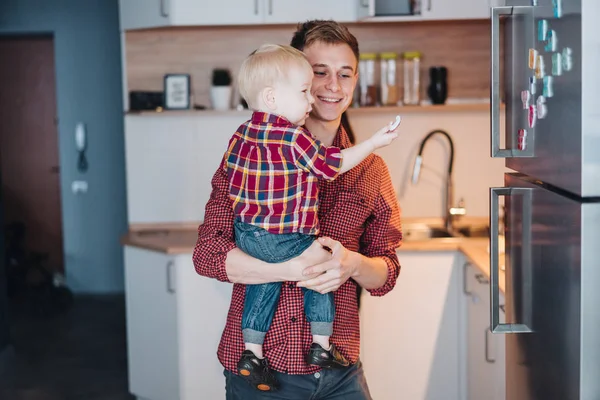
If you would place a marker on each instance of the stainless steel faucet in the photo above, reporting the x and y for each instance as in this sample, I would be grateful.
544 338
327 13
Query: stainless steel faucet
450 211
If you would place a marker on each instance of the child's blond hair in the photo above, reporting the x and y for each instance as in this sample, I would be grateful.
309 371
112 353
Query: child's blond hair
266 66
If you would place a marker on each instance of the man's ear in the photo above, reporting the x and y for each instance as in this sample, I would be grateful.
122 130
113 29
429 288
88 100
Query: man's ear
268 97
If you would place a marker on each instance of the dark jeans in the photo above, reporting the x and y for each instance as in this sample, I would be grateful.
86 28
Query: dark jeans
327 384
261 300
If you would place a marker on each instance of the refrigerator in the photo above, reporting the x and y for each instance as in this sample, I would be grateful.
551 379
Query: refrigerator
545 84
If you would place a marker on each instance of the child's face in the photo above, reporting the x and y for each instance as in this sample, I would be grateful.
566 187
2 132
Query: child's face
292 97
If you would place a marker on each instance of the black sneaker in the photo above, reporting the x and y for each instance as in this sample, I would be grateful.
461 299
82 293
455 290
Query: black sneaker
257 372
317 355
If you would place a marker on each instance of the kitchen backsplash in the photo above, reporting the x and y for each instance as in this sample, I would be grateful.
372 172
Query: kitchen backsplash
462 46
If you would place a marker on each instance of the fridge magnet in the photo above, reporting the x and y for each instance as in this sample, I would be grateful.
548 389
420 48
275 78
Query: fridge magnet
542 30
567 59
532 115
534 2
525 97
557 7
540 70
177 91
542 109
548 86
557 64
533 57
532 84
522 139
552 41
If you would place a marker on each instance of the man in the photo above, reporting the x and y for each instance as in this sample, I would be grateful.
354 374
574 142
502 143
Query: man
360 224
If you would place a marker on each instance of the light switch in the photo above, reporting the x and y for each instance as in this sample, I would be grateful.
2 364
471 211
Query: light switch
79 187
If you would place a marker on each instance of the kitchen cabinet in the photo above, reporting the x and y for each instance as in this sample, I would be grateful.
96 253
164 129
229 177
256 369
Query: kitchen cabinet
174 322
432 10
485 352
413 339
139 14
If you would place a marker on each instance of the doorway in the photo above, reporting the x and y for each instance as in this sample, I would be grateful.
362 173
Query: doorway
29 164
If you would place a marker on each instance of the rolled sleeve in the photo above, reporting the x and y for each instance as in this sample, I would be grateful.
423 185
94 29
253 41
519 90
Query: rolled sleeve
314 157
215 234
383 233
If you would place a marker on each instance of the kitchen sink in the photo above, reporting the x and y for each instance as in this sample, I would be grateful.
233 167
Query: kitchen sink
415 232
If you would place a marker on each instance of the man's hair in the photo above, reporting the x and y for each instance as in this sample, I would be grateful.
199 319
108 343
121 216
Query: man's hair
326 31
266 66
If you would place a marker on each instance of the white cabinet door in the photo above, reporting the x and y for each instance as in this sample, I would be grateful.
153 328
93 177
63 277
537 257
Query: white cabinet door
486 350
152 336
294 11
410 338
203 304
459 9
218 12
137 14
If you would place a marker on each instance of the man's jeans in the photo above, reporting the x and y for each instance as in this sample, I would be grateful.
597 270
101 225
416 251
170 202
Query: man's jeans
261 300
328 384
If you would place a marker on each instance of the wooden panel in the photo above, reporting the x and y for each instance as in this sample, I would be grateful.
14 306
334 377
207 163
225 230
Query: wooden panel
462 46
29 143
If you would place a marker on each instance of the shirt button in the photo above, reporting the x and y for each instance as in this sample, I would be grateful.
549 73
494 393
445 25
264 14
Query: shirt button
219 232
293 319
291 285
317 375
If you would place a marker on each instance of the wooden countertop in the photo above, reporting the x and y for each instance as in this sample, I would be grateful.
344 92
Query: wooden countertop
181 239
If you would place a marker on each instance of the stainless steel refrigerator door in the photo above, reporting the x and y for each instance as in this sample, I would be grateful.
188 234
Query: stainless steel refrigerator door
552 280
561 147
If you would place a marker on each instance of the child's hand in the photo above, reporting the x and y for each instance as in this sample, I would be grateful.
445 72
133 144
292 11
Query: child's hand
386 135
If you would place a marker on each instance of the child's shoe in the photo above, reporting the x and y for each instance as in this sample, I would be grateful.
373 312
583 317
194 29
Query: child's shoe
331 358
257 372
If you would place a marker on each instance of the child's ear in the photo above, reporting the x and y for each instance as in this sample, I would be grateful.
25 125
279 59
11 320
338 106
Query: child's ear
268 97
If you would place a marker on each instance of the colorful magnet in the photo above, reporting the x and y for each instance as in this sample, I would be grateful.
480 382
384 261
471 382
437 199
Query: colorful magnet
525 97
533 57
557 65
542 109
532 115
548 86
557 7
540 70
552 41
522 139
542 30
567 59
532 84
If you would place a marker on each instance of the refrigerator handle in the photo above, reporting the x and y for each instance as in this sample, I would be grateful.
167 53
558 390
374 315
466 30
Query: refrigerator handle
496 151
495 193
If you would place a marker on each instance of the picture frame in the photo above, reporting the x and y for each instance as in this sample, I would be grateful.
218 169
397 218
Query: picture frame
177 90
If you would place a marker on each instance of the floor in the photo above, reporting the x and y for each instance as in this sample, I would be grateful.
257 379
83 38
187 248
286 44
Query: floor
78 354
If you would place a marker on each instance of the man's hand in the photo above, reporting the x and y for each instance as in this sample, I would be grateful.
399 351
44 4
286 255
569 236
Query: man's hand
314 255
333 272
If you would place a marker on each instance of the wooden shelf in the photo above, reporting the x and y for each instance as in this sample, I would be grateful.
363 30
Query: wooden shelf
457 107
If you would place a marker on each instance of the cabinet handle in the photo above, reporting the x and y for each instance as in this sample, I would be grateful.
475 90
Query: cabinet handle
487 347
465 279
270 7
364 3
429 5
164 9
255 7
495 193
170 287
481 279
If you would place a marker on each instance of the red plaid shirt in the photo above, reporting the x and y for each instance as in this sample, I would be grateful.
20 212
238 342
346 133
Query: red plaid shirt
360 210
273 168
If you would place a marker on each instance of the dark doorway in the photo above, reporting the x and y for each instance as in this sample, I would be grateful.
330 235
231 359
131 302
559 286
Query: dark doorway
29 144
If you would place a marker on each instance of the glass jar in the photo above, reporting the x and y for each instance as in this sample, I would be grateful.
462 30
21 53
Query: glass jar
366 77
412 87
389 87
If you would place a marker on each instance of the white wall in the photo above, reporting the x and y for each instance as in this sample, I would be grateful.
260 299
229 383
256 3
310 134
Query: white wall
171 159
474 170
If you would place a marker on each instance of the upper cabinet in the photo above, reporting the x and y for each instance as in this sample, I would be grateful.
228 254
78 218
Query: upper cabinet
139 14
394 10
